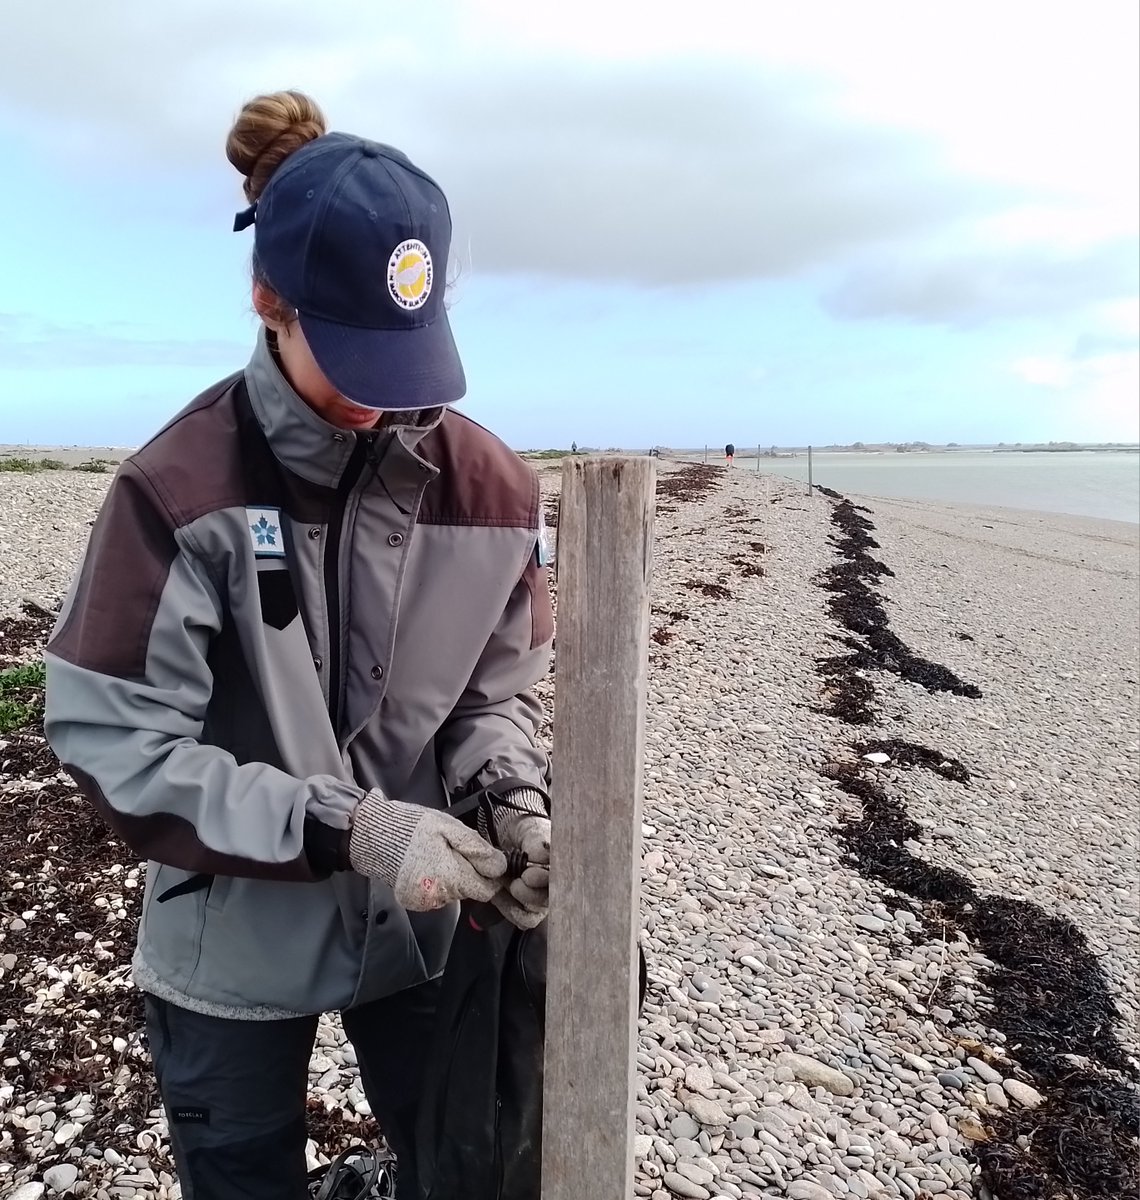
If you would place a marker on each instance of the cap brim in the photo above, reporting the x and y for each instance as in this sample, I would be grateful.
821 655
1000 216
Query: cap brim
395 369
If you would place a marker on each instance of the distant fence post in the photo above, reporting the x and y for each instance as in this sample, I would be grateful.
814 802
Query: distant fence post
706 454
809 472
605 550
758 460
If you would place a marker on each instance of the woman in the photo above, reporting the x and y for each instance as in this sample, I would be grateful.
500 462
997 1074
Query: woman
313 607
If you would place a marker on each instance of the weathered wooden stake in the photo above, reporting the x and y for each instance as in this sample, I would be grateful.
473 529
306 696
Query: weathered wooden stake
809 472
757 460
605 548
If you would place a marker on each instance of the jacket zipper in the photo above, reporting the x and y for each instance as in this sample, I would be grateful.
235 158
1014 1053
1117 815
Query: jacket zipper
363 451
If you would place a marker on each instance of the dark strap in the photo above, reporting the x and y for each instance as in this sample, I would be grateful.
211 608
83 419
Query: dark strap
493 796
371 1176
196 883
489 798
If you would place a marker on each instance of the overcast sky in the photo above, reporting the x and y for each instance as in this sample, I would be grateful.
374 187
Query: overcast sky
675 223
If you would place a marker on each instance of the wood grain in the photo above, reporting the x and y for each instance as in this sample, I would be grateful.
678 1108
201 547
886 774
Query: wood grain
605 550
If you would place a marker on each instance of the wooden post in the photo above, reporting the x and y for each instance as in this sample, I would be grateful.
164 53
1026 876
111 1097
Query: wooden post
706 454
605 546
757 460
809 472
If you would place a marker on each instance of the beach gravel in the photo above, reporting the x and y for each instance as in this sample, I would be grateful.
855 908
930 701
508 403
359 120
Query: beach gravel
809 1031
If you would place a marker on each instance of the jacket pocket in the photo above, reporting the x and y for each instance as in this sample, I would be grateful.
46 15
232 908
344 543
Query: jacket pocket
174 920
188 887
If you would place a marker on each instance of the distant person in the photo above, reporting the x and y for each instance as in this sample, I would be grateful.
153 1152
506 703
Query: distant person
729 453
312 607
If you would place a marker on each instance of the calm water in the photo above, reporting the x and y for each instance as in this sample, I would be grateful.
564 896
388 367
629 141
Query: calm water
1084 484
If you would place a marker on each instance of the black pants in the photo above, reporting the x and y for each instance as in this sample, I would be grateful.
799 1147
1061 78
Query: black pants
235 1091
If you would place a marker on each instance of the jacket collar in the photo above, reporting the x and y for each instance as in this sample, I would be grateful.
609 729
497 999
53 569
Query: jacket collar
305 443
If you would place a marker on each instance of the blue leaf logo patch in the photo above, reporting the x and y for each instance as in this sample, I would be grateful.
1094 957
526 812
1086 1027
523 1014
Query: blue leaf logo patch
265 532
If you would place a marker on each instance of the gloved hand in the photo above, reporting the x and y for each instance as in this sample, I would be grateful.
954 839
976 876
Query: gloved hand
526 900
428 858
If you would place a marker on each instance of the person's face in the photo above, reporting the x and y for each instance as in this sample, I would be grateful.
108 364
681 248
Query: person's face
306 378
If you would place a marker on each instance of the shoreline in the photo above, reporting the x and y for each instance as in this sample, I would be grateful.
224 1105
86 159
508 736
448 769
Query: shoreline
1104 488
77 456
1127 530
549 468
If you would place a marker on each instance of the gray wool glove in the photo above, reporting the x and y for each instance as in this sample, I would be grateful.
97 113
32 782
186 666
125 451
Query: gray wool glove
526 900
428 858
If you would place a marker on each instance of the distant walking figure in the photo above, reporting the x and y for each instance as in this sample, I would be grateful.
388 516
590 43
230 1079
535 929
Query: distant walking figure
729 453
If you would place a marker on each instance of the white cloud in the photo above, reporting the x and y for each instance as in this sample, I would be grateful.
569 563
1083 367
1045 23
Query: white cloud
969 284
1097 394
942 163
1049 370
1018 90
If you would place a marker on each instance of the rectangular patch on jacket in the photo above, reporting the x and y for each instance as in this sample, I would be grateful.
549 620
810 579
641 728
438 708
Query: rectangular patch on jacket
265 532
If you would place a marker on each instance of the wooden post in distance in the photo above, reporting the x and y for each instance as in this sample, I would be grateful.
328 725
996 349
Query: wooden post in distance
605 548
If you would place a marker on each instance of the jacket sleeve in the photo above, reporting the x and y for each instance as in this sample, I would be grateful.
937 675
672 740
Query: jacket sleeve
128 685
491 733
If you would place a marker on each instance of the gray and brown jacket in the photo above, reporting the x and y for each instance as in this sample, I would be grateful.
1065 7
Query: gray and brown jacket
272 618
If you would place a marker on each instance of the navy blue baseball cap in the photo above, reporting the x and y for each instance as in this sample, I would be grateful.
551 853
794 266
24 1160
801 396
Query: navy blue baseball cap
355 237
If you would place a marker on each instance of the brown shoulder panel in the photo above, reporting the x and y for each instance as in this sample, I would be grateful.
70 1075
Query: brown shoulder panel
481 480
213 455
193 461
107 628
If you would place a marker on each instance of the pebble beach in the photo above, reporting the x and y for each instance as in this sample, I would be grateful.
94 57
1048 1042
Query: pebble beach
890 885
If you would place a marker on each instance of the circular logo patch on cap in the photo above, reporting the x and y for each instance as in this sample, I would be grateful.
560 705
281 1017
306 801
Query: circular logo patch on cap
409 274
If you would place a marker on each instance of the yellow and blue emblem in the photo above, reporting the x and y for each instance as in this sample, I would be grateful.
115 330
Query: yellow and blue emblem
410 274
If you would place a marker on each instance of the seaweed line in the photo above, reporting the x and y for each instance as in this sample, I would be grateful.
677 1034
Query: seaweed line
1050 996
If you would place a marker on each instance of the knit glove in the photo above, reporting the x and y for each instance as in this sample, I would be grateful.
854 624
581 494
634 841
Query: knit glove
428 858
525 900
